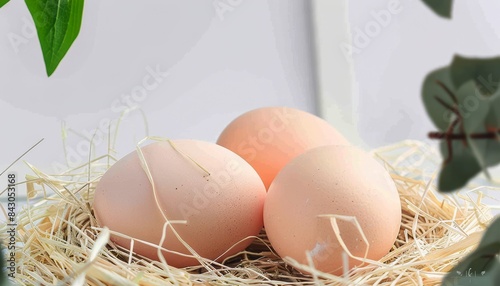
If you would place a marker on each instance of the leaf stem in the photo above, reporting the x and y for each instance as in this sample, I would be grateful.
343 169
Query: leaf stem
461 136
448 91
448 141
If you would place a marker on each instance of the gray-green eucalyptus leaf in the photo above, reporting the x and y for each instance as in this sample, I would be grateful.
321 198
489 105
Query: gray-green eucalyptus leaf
460 169
433 93
484 71
441 7
482 266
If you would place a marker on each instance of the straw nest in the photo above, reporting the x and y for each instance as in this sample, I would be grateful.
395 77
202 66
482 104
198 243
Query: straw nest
61 243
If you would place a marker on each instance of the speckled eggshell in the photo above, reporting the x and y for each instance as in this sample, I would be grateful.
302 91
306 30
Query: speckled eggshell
338 180
270 137
219 209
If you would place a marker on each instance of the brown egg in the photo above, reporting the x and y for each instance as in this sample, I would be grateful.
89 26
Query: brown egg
270 137
325 181
218 209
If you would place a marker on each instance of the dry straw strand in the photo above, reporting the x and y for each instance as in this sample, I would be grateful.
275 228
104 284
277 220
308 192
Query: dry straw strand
61 243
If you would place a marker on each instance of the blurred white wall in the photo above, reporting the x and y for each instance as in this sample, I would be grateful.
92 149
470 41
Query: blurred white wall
397 43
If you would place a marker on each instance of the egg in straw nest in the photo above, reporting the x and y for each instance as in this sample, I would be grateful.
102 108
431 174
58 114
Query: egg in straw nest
62 242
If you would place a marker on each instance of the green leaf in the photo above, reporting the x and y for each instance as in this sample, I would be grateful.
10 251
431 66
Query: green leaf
440 7
482 266
462 167
489 149
467 159
484 71
474 109
445 104
3 2
493 118
432 91
58 24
